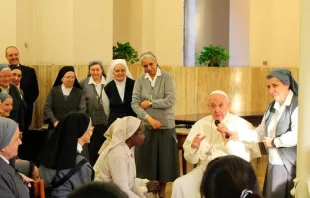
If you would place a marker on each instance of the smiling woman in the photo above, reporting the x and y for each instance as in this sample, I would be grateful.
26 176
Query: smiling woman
65 96
119 89
6 104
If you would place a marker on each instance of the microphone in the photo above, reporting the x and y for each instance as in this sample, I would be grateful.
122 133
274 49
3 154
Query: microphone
217 122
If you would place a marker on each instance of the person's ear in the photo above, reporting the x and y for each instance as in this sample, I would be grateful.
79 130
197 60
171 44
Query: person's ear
229 103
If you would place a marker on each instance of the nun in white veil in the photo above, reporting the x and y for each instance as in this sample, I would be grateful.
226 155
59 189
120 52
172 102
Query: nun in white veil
116 161
119 87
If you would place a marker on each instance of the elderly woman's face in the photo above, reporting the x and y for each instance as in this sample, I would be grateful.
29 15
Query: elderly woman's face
5 78
95 71
11 149
277 89
68 79
119 72
6 107
149 65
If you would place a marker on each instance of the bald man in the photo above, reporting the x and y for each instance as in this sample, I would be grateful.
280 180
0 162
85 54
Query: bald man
28 83
205 143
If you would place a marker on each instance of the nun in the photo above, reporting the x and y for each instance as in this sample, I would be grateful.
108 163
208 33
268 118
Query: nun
62 155
116 161
11 183
119 87
153 100
7 87
96 104
6 104
65 96
278 131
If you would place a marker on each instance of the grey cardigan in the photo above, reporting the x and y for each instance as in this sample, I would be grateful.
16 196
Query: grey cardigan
89 104
163 99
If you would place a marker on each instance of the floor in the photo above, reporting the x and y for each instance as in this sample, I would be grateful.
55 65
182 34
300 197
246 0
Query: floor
259 165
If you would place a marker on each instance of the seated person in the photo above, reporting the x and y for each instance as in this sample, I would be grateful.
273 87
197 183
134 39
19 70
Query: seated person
62 167
229 176
98 190
11 183
116 161
26 168
204 143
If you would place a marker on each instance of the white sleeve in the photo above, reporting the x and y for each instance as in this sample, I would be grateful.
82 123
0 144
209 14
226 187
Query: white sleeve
251 135
119 172
140 186
289 138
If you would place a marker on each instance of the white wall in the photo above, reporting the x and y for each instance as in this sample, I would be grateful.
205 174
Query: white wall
8 26
92 31
239 22
212 23
25 30
274 32
53 31
75 31
152 25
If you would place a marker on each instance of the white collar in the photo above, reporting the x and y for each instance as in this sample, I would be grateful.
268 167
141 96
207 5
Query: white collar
66 91
127 149
16 65
120 83
287 101
7 90
79 148
6 160
158 73
91 81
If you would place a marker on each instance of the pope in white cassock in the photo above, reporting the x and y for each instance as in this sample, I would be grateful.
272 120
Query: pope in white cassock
204 143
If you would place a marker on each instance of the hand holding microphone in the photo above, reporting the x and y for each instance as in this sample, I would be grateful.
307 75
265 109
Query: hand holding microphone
222 129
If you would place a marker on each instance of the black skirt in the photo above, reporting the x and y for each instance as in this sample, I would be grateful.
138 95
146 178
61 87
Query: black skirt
157 158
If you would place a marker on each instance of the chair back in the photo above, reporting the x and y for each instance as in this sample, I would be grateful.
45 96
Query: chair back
39 190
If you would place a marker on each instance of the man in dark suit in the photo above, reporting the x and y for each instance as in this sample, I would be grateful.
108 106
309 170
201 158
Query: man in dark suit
28 84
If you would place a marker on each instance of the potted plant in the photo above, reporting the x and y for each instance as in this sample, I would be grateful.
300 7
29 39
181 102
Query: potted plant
125 51
213 56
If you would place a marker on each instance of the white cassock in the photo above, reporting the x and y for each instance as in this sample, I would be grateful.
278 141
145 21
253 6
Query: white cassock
210 148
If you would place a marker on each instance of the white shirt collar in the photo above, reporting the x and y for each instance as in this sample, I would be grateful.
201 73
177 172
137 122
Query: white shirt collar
127 149
16 65
7 90
91 81
123 83
79 148
287 101
66 91
158 73
7 161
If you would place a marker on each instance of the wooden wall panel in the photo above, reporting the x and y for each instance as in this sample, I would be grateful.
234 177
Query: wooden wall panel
244 85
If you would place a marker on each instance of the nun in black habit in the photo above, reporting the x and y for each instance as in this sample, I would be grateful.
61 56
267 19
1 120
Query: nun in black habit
65 96
62 154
